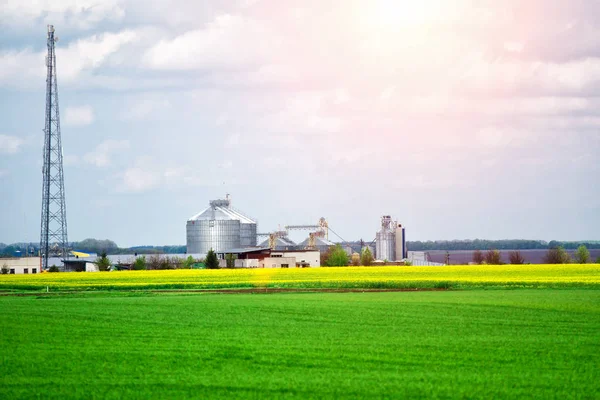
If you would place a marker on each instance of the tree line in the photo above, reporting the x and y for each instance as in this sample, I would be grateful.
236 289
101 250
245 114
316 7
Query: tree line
556 255
479 244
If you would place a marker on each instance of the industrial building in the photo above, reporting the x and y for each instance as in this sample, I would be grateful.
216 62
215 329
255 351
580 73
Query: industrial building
219 227
264 257
390 241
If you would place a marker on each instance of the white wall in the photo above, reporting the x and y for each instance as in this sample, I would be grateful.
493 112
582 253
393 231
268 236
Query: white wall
252 263
312 257
277 262
19 265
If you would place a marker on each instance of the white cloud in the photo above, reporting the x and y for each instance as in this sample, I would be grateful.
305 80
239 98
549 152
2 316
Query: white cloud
146 106
10 144
138 179
387 93
81 14
228 41
102 155
90 53
71 159
22 67
26 68
79 116
514 47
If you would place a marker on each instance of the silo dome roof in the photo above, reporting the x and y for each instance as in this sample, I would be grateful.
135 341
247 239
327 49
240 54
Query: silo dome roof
221 210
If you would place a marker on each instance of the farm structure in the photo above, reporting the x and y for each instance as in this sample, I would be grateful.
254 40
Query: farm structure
219 227
21 265
264 257
390 240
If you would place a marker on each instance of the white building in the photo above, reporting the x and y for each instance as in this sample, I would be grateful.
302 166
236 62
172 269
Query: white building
21 265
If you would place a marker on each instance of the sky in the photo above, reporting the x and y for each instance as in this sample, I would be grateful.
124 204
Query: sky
462 119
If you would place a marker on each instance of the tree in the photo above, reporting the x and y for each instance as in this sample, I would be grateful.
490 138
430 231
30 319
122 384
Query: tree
53 268
557 255
154 262
366 257
103 263
188 263
355 259
515 257
230 260
338 257
478 257
582 255
493 257
324 256
139 263
166 263
5 270
211 260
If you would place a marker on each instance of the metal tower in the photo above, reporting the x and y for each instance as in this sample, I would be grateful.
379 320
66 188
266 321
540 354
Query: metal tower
53 238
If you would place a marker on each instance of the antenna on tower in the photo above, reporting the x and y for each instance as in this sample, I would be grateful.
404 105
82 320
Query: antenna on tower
53 237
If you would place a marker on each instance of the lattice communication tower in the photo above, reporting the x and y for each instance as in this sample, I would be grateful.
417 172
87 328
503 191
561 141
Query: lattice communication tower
53 238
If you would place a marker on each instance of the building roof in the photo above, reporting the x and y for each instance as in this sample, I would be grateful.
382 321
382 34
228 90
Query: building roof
221 211
295 251
279 242
244 250
318 242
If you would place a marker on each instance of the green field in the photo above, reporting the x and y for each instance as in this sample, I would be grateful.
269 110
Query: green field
452 344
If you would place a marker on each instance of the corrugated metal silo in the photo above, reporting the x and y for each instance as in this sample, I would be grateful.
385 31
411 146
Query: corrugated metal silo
221 228
385 245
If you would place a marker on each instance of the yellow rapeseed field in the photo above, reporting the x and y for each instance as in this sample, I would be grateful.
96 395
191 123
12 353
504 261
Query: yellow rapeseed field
566 275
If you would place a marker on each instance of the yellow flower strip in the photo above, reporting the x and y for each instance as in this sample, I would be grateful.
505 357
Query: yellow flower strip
472 275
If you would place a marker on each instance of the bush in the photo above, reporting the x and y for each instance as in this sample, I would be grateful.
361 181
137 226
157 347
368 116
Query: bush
515 257
230 259
188 263
478 257
211 260
140 263
582 255
366 257
355 259
324 256
53 268
167 263
5 270
338 257
103 263
154 262
492 257
557 255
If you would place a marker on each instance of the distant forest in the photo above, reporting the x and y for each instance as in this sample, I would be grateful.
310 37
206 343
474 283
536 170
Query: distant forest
111 248
479 244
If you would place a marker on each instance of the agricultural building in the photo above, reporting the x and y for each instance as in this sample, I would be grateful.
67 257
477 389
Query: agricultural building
390 240
264 257
21 265
219 227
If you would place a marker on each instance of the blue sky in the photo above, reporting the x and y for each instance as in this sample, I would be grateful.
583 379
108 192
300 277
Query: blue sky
460 120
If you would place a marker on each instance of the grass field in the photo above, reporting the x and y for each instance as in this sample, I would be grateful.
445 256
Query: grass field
451 344
473 276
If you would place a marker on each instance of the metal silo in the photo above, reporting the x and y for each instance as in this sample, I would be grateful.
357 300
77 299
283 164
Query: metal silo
385 246
219 227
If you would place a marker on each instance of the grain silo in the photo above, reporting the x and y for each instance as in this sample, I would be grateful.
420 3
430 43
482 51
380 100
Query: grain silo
385 245
390 240
221 228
